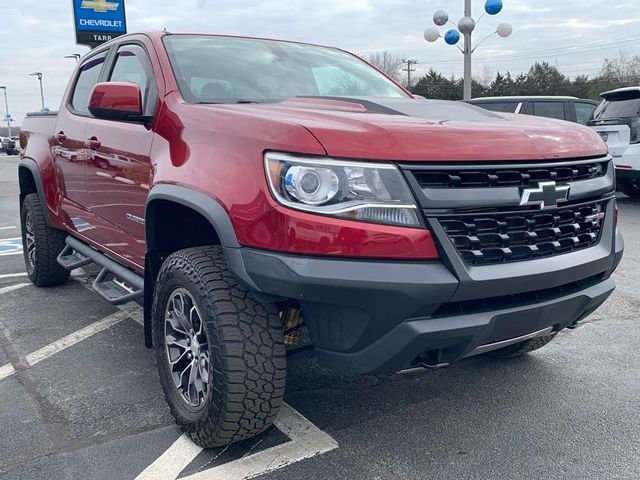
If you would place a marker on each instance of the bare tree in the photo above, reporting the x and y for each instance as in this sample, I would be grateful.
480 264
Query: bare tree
388 63
486 77
623 69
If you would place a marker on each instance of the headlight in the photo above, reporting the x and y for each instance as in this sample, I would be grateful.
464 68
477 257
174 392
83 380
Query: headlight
355 190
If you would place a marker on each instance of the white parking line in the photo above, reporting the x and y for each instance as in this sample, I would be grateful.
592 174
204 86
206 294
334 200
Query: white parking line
11 288
6 371
307 441
8 228
13 275
78 336
175 459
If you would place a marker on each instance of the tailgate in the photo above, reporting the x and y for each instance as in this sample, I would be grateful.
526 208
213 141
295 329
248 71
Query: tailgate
617 137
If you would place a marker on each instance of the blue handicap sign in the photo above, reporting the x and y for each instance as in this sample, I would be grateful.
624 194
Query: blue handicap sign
10 246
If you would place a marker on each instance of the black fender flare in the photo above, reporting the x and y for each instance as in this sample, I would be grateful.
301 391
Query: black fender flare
197 201
31 165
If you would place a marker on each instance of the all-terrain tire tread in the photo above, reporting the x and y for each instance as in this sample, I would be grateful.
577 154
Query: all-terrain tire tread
49 243
249 377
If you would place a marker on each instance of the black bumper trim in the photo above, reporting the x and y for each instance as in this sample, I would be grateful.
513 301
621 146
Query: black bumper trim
455 338
370 316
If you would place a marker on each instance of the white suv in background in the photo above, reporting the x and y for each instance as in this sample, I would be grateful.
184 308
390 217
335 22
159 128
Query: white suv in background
617 120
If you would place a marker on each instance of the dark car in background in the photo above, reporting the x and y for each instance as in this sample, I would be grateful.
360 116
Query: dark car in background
572 109
9 146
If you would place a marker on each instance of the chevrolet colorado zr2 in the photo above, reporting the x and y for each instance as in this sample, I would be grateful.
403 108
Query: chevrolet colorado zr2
256 193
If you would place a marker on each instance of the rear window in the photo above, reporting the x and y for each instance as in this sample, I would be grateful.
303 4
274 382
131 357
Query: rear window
619 106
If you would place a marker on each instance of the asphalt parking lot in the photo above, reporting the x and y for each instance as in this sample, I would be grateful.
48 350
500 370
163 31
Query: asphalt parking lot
79 397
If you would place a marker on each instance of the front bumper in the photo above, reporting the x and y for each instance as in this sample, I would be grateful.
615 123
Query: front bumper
379 316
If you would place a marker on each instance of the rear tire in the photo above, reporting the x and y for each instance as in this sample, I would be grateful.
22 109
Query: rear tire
41 245
522 348
631 188
245 356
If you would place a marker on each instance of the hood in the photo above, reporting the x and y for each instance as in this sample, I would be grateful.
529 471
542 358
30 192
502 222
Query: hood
428 130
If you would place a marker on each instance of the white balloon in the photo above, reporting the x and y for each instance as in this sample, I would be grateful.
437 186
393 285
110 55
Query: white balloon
466 25
440 18
504 30
431 34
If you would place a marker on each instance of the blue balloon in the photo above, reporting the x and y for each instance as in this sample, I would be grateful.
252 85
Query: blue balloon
452 37
493 7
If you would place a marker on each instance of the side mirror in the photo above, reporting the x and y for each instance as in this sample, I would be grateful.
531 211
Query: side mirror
116 101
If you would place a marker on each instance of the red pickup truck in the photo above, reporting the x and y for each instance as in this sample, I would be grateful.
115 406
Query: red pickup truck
255 193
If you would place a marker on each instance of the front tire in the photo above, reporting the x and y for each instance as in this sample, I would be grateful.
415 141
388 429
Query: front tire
219 352
41 245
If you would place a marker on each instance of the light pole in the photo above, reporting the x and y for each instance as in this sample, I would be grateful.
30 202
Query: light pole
6 109
39 75
76 56
466 26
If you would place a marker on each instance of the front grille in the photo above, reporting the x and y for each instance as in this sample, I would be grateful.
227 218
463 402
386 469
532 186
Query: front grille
496 176
490 238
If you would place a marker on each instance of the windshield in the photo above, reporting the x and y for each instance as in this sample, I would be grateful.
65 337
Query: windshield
619 106
212 69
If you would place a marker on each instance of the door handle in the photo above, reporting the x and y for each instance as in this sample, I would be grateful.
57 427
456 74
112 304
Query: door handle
93 143
60 137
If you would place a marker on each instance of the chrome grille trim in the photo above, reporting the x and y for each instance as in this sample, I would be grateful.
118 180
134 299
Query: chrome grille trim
486 238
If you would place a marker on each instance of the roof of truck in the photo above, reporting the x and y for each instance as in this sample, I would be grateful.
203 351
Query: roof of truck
620 90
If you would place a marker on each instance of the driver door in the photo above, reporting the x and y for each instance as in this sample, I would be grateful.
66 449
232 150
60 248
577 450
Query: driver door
119 171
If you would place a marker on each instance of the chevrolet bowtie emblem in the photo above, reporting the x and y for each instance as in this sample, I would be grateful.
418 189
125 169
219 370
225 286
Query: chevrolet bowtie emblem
99 6
547 195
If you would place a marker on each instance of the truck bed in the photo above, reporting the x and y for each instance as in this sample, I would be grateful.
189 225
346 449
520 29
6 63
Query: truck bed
37 124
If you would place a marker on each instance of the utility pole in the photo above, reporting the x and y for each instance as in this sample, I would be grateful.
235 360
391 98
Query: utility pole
39 75
6 108
410 68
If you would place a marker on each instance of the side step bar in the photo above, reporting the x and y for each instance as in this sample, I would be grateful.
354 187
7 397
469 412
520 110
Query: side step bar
115 283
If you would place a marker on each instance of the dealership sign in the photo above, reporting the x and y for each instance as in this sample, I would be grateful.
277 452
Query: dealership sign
98 21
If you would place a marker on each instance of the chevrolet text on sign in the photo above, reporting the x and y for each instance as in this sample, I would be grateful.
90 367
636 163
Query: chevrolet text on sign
98 21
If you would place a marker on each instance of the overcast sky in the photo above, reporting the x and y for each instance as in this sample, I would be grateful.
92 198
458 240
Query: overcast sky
35 35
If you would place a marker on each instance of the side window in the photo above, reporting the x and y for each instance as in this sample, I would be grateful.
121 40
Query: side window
584 112
87 78
132 65
506 107
549 109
